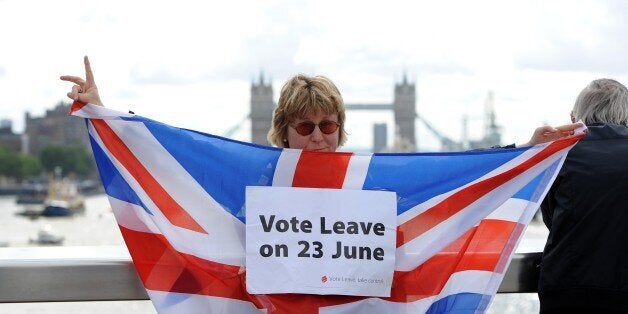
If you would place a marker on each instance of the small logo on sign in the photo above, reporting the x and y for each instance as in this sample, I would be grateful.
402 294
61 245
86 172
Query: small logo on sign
324 279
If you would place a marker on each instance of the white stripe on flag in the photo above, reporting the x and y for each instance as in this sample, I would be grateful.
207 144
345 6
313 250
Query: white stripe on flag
181 186
356 171
100 112
467 281
223 244
511 210
132 216
286 166
176 303
460 282
418 250
420 208
378 306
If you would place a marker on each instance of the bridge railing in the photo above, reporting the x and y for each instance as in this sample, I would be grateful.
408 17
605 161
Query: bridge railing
47 274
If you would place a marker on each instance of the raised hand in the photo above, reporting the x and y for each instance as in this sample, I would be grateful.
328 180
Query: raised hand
84 90
548 133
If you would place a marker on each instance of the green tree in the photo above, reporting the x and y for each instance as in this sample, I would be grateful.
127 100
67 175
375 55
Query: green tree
17 165
5 161
30 166
71 160
9 163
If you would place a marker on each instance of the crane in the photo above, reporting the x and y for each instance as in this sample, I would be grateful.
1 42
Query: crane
446 142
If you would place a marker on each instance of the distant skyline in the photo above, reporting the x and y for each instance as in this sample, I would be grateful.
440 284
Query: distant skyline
190 63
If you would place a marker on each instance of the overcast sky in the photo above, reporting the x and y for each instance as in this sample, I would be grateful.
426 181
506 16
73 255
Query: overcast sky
190 63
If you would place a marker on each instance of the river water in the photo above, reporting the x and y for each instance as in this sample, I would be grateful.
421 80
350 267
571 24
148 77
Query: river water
98 227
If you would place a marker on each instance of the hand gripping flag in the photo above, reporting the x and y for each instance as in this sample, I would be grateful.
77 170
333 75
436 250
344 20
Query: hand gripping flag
178 197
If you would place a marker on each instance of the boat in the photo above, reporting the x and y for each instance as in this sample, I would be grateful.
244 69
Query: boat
60 208
63 199
46 235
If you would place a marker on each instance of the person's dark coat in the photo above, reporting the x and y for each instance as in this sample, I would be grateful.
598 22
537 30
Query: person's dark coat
585 261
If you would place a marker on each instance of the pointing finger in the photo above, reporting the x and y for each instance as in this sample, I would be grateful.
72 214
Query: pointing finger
89 76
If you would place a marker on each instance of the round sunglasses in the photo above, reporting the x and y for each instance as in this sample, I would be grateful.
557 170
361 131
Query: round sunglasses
307 127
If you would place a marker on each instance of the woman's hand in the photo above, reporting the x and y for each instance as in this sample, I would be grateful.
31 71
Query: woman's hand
85 90
548 133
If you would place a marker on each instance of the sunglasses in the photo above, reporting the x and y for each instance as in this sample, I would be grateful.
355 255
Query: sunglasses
307 127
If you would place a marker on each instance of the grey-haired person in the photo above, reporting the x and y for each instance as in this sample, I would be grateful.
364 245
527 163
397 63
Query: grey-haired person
585 260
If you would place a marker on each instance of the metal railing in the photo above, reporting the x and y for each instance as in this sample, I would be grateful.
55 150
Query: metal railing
46 274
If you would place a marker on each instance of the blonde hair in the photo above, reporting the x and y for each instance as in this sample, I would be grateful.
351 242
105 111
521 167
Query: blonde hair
603 100
302 95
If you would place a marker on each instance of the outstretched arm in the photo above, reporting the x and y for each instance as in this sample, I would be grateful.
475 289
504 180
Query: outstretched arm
548 133
84 90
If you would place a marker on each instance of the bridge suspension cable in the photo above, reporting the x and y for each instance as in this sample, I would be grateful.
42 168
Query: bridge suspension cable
232 130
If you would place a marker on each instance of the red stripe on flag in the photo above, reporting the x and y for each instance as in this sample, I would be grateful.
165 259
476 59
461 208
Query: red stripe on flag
162 268
321 170
166 204
468 252
425 221
76 106
485 248
509 247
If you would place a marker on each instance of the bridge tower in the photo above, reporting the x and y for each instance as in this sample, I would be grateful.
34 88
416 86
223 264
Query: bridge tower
404 106
262 107
492 131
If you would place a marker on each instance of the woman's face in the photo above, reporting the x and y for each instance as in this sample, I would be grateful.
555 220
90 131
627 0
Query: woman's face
317 140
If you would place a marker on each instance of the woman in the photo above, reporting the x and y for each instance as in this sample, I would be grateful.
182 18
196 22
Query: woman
310 114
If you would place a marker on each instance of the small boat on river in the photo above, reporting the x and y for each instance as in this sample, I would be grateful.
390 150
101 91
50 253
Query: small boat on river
47 236
63 199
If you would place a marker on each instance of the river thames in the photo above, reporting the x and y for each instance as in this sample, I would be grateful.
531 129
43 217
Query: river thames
97 227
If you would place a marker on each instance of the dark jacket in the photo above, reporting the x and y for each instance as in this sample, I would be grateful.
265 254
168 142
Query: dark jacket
585 261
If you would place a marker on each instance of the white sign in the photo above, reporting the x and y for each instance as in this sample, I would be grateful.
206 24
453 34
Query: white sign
320 241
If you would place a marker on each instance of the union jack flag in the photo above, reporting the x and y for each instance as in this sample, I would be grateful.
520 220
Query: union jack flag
178 196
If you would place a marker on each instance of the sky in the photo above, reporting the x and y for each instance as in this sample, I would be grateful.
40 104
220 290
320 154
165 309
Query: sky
191 63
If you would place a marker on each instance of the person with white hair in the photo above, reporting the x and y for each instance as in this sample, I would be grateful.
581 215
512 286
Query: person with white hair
585 261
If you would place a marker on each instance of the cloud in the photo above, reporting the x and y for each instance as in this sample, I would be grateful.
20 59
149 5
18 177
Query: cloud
593 42
3 72
265 42
126 94
160 75
272 45
567 55
444 68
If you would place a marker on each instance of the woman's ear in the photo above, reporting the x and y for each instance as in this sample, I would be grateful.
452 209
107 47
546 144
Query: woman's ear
573 119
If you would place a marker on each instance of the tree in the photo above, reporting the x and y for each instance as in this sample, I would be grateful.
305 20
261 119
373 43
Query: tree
7 162
30 166
17 165
71 160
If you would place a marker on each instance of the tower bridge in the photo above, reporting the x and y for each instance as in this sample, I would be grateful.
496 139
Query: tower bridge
403 108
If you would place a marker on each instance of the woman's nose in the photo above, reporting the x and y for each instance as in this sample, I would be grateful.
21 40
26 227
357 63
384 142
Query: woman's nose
317 135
